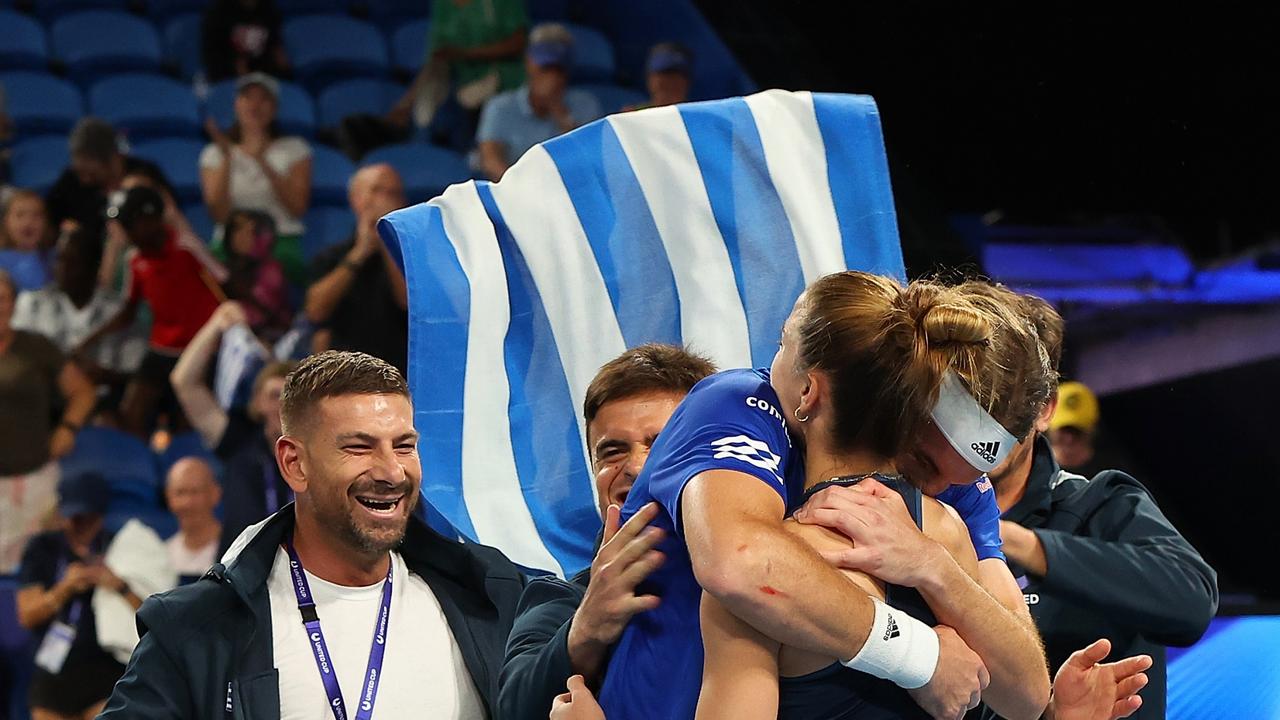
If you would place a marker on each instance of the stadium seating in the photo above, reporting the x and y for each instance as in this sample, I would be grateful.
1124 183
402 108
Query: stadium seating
37 163
201 224
50 10
330 171
327 48
395 13
187 444
146 106
613 98
296 112
179 159
361 95
326 226
182 45
97 43
409 46
593 56
426 169
22 42
165 10
294 8
39 103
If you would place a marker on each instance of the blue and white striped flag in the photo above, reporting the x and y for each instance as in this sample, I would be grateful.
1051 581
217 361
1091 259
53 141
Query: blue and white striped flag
697 224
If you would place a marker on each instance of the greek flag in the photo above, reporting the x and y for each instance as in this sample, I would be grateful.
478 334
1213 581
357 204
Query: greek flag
698 224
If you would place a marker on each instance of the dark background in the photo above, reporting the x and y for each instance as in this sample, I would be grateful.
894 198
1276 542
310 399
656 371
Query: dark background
1157 118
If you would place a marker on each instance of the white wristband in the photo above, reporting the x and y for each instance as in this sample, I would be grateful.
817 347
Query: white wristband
900 648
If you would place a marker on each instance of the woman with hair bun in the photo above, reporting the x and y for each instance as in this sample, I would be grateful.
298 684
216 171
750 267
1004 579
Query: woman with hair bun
862 366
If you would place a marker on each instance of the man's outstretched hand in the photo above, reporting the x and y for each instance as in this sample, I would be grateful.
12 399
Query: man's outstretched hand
1087 689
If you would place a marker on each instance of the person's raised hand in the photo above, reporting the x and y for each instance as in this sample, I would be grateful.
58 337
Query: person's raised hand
1087 689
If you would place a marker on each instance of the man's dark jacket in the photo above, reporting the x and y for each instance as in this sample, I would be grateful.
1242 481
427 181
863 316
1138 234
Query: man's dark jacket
206 649
1117 569
537 664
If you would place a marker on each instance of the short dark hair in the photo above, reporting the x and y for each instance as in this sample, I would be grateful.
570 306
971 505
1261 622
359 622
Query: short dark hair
95 139
652 367
333 373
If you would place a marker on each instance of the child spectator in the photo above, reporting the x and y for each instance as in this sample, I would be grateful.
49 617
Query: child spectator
181 293
24 238
256 279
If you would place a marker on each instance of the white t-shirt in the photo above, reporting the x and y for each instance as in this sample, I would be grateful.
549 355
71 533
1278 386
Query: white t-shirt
186 561
250 187
51 313
423 673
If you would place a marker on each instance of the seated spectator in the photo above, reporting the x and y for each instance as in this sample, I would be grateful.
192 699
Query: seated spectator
24 238
473 53
539 110
667 75
97 170
181 294
61 570
73 305
358 300
244 439
252 168
241 37
192 493
34 380
1072 426
255 279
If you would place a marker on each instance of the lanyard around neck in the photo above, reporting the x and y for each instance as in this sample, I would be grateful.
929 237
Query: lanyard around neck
324 661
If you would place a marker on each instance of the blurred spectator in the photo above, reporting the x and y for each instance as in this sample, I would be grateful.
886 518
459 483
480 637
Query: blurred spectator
181 295
97 169
243 439
6 123
241 37
543 108
252 168
34 379
256 279
24 238
358 300
192 493
61 570
1073 424
667 75
71 307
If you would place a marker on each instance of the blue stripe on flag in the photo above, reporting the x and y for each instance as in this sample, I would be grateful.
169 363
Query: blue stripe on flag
621 232
440 307
544 429
858 173
750 217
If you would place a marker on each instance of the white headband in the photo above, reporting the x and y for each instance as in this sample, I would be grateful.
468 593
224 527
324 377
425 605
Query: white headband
980 440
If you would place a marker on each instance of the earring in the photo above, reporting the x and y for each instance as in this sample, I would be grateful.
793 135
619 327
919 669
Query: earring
798 418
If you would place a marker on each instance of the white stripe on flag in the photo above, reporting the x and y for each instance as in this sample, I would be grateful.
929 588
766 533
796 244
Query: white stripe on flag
712 318
490 484
546 227
797 160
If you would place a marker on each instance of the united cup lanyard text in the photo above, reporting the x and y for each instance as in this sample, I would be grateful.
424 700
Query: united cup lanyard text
324 663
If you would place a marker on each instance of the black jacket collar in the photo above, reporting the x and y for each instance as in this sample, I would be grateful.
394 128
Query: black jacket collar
1037 500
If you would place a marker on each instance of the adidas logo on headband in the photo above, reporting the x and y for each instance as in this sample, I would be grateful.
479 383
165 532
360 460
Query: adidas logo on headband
987 450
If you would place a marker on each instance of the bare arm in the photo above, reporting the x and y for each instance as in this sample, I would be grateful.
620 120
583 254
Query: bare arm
122 319
197 400
493 159
739 668
293 188
215 188
324 294
37 606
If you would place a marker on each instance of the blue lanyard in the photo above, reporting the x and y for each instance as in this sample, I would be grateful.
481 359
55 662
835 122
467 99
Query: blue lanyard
328 673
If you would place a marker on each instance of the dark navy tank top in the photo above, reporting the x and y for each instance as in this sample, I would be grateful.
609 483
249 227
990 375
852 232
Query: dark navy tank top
836 692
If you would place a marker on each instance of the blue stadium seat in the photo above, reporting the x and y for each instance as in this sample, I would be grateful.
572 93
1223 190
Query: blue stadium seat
182 44
98 43
326 226
296 112
50 10
37 163
179 159
613 98
22 42
409 46
362 95
39 103
27 269
327 48
426 169
201 224
16 652
294 8
395 13
165 10
146 106
593 57
125 461
187 444
330 171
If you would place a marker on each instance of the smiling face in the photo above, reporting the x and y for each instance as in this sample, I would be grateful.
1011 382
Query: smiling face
358 469
621 435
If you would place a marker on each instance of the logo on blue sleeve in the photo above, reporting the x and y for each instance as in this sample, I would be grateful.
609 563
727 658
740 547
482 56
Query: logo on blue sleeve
748 450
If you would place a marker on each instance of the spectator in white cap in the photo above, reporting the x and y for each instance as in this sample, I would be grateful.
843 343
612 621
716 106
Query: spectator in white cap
539 110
